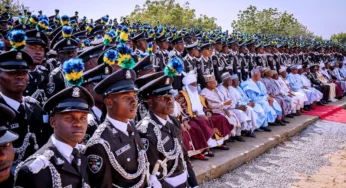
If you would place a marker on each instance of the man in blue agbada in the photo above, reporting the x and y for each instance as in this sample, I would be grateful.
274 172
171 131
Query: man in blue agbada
257 92
243 99
296 84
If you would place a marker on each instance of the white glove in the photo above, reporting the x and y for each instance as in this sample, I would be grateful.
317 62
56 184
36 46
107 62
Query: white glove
154 182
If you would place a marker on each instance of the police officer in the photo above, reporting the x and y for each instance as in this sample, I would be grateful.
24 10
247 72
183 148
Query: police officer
31 121
244 64
141 45
37 46
218 61
162 134
91 78
161 55
60 163
116 155
66 49
6 147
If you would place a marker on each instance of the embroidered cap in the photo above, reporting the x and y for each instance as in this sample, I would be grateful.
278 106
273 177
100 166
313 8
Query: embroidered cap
75 98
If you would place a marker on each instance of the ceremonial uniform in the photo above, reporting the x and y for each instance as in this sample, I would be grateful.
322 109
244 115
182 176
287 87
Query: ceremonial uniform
58 164
116 156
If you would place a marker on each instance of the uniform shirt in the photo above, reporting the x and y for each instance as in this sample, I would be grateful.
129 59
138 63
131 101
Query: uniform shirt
163 121
14 104
64 149
121 126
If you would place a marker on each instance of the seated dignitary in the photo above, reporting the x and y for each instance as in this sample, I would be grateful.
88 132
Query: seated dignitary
297 98
31 122
59 163
220 106
116 155
257 92
241 99
310 73
194 114
307 85
6 147
274 92
324 73
246 117
162 134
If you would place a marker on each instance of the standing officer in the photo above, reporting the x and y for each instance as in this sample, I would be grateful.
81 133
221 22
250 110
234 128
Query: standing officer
162 134
31 121
59 163
116 156
66 49
6 147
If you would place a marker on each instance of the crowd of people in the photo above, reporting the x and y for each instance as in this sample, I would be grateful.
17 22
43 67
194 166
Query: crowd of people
99 103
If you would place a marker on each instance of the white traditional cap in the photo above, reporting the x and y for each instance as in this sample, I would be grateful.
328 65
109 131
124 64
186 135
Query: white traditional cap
300 67
225 76
189 78
294 67
282 69
234 76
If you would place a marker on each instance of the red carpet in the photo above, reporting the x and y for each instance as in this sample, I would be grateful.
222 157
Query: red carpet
329 113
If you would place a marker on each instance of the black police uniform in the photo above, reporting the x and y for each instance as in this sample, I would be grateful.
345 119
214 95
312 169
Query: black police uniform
164 142
115 158
94 75
29 123
59 172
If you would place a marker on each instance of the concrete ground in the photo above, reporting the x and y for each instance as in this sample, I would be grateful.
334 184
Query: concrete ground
240 153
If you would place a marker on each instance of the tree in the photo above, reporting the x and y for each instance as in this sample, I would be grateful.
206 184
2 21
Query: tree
340 37
16 6
171 13
269 21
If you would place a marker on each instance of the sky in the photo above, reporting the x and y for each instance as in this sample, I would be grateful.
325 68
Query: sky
323 17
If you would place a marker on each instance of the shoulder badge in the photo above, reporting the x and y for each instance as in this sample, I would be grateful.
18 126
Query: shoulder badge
50 88
145 143
94 163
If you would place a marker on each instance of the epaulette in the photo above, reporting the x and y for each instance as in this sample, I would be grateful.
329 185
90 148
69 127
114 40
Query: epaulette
142 126
42 68
55 71
31 100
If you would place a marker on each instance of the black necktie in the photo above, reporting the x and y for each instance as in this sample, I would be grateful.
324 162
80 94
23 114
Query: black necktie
21 111
76 161
129 129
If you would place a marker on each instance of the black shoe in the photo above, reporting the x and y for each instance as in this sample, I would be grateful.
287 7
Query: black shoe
310 107
285 121
320 104
306 108
281 123
239 139
324 102
272 124
296 114
223 147
230 140
266 129
289 116
259 130
252 135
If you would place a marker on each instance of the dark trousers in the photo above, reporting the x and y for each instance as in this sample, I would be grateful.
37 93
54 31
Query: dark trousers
325 90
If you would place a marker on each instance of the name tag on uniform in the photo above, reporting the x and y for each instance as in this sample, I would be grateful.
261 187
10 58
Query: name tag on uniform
14 126
122 150
165 140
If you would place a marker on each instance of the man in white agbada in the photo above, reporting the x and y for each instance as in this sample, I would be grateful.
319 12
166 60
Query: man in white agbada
298 97
245 116
296 83
259 116
331 85
218 105
307 83
257 92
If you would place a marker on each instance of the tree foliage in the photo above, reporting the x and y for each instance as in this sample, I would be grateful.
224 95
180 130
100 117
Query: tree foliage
269 21
16 6
340 37
171 13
